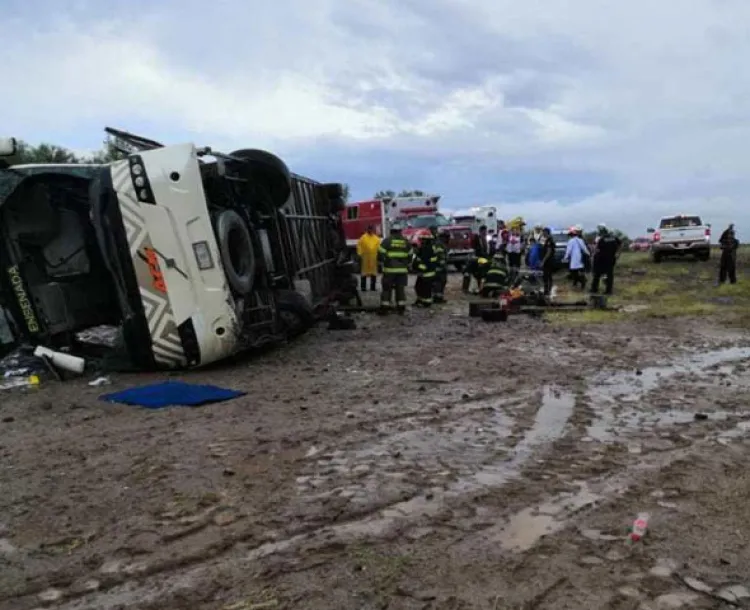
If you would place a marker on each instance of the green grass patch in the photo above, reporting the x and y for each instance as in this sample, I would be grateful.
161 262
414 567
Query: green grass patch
671 289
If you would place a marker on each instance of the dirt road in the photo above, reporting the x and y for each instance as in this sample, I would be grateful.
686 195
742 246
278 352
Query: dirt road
427 462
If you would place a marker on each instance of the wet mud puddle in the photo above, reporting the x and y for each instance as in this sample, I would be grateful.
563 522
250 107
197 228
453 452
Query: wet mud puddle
616 397
549 424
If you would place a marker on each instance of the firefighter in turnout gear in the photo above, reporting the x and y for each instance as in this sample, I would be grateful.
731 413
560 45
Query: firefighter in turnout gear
496 280
394 253
481 248
425 262
441 272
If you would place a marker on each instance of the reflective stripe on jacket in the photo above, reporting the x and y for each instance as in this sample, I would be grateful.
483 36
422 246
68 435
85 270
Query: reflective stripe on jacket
442 257
394 252
497 277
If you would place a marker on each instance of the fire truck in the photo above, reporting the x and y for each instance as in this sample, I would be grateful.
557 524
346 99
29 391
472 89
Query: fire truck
416 214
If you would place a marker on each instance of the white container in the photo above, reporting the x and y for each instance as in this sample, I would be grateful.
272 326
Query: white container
74 364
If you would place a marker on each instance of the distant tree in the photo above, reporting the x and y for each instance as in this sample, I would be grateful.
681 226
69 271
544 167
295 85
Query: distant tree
107 154
384 194
43 153
346 192
52 153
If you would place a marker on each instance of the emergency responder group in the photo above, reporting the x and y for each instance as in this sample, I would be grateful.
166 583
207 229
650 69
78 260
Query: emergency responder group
429 260
495 265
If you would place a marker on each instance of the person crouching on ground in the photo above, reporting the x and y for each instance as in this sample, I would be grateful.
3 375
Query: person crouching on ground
496 280
576 253
367 252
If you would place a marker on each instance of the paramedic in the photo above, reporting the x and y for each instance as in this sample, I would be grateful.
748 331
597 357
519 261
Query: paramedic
576 254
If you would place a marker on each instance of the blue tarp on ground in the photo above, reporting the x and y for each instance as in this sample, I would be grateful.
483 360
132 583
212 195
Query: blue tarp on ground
171 393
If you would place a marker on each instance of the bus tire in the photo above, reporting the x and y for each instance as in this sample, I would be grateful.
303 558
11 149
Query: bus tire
237 252
295 313
268 170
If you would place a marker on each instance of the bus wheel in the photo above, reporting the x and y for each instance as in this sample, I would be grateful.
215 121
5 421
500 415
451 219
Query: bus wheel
237 253
265 169
335 193
295 313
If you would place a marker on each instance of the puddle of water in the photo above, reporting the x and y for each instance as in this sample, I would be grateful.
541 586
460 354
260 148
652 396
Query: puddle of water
549 425
741 430
626 388
624 384
524 529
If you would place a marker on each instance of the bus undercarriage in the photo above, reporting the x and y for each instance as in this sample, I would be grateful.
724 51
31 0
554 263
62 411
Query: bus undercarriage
186 255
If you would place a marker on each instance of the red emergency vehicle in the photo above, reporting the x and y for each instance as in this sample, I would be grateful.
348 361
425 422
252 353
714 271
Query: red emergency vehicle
417 214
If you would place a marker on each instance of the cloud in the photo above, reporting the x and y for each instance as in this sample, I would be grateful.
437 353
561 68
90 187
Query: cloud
564 112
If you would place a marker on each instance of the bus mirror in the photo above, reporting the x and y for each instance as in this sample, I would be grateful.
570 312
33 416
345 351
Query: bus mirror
8 147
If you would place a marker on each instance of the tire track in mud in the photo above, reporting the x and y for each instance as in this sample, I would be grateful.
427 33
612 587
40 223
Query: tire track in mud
517 533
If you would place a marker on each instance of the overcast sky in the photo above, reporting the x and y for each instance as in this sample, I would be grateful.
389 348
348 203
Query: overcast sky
565 112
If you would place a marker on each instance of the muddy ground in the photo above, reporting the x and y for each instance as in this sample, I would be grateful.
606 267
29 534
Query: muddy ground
432 462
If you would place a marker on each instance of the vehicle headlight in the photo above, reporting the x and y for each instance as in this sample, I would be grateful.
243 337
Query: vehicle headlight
203 255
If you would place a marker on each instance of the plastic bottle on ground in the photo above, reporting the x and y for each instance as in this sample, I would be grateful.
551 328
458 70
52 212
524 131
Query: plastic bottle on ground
639 528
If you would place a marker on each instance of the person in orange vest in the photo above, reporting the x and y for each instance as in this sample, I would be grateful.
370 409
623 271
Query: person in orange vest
367 251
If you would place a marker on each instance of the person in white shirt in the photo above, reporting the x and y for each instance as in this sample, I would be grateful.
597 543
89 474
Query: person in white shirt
513 249
576 255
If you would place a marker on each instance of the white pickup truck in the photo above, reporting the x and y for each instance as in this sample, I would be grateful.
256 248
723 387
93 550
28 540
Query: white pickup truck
681 235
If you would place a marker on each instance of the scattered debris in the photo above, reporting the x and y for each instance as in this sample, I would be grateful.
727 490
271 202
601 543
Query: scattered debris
638 530
20 382
50 595
99 381
733 593
679 599
74 364
697 585
701 416
664 568
339 322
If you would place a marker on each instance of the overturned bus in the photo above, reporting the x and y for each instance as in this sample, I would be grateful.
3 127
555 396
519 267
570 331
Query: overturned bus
185 255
